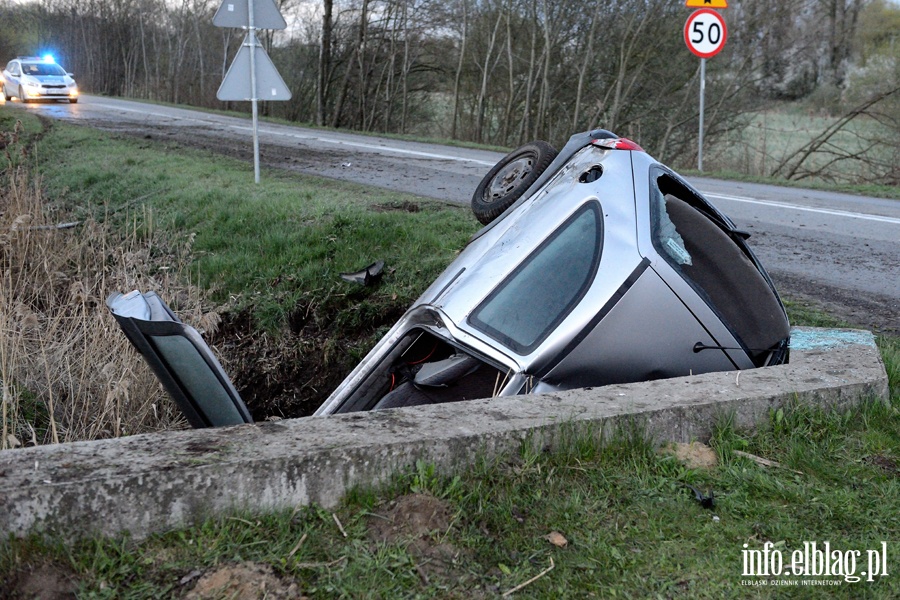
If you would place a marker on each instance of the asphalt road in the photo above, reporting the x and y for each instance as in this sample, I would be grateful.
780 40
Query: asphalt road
837 250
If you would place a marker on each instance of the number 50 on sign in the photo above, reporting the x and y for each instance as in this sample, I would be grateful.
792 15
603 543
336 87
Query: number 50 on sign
705 33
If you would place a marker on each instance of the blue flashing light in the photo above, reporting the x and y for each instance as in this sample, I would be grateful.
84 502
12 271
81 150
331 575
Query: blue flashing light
48 58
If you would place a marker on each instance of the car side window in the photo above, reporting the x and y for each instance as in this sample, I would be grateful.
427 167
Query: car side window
528 305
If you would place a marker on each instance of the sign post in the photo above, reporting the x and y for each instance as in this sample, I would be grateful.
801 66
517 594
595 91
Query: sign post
251 64
704 34
251 35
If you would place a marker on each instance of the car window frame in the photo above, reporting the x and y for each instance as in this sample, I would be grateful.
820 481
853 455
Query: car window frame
590 277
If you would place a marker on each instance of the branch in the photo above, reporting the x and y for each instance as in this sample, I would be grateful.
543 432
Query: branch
813 146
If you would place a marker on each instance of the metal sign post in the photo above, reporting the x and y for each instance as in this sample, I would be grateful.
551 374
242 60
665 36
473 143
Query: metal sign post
702 96
704 34
253 98
251 65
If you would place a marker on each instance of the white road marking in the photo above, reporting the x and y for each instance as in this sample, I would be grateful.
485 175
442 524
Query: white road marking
371 147
824 211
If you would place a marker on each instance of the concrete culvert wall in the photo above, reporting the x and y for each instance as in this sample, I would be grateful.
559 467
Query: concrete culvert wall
155 482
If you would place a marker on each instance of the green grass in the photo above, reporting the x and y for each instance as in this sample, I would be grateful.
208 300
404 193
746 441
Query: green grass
737 159
801 313
272 246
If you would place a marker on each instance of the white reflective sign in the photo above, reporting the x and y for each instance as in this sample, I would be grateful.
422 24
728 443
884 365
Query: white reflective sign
269 84
235 13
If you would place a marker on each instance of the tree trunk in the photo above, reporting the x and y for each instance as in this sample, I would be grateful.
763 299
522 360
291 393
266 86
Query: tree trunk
406 67
324 63
544 102
485 77
525 134
507 114
339 107
459 67
585 64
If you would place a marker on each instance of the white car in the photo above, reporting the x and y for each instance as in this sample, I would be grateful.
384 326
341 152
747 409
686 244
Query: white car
33 78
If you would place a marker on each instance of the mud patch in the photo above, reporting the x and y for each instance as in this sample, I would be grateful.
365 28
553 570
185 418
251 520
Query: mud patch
47 581
277 376
246 581
410 207
418 522
888 465
878 314
413 516
290 374
694 455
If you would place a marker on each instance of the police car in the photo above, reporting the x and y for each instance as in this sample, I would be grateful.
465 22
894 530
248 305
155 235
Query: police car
30 78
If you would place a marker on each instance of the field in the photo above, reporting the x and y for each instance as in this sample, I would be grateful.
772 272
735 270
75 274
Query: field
773 142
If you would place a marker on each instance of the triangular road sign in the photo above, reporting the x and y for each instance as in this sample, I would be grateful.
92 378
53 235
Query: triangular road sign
236 13
269 84
690 3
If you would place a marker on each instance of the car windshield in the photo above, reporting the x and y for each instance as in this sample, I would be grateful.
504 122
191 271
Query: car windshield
40 69
531 302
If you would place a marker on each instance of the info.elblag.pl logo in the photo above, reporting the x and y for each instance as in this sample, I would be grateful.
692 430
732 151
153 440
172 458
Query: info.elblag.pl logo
813 560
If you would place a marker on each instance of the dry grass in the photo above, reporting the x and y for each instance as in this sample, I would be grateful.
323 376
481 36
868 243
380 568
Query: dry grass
66 370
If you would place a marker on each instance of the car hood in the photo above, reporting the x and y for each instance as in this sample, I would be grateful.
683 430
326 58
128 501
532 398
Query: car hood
48 79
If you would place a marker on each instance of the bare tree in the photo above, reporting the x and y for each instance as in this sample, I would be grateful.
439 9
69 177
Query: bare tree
459 66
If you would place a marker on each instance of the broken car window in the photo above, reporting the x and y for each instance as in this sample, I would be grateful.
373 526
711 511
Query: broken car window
718 268
667 237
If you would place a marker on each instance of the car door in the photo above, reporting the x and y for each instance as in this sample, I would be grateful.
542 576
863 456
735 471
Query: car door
11 85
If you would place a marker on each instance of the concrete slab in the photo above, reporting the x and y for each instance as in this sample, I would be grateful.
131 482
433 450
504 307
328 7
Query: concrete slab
155 482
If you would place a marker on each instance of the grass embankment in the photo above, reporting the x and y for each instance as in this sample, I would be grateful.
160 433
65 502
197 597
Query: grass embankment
631 525
194 227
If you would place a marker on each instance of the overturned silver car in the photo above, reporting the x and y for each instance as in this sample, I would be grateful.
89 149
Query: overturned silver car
597 266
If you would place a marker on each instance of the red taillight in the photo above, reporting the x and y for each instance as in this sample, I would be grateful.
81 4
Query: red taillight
617 144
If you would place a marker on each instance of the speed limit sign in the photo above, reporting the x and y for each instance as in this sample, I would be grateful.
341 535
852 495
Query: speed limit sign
705 33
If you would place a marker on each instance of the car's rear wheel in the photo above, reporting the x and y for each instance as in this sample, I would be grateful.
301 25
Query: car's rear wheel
508 180
6 94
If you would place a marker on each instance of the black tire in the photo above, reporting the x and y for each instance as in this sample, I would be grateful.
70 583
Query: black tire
6 94
508 180
73 100
22 97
